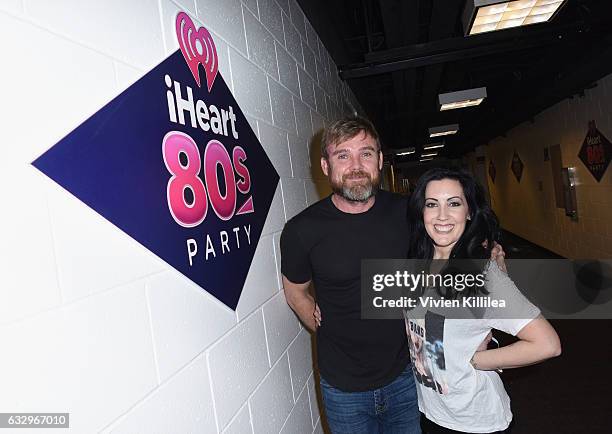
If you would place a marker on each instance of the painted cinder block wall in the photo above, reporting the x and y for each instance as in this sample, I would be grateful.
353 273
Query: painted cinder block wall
531 212
92 323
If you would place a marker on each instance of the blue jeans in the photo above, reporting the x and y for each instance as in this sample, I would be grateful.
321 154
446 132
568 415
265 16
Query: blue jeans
392 409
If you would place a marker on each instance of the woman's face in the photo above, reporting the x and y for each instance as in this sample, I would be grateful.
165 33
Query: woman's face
445 213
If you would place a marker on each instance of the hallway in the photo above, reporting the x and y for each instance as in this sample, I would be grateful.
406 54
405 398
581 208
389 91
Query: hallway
568 394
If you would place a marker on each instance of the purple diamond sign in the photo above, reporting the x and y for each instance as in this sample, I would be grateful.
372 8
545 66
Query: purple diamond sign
517 166
176 166
492 171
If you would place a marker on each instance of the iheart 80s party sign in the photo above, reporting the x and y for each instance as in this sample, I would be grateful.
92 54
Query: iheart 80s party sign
176 166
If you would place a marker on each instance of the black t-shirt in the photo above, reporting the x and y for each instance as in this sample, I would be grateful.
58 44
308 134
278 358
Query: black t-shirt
326 245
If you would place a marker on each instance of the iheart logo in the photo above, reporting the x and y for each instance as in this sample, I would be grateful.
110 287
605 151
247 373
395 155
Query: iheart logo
198 48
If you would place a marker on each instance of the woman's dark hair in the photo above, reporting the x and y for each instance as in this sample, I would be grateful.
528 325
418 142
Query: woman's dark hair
481 230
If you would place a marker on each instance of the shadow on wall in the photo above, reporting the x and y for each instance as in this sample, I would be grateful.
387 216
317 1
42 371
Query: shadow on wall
319 179
315 373
321 187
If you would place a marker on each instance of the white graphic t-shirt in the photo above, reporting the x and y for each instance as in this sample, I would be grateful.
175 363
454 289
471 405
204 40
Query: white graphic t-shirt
451 392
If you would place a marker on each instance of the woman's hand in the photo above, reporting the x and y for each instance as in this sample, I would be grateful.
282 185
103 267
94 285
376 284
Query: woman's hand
485 343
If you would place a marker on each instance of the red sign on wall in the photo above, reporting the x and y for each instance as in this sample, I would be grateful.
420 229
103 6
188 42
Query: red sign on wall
595 152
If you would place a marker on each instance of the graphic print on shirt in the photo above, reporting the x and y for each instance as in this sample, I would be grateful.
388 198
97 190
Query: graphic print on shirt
426 342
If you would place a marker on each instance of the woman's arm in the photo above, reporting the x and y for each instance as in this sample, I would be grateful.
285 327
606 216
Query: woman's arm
538 341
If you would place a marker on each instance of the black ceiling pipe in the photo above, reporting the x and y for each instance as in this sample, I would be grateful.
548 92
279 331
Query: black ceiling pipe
453 49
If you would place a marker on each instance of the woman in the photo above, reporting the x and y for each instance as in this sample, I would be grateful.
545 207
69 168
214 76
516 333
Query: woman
458 388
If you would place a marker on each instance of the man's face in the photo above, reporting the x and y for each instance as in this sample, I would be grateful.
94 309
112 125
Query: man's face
353 167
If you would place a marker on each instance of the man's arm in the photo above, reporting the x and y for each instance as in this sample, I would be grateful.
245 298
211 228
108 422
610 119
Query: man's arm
302 303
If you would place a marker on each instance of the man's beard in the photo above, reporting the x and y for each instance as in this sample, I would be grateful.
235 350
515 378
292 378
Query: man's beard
356 191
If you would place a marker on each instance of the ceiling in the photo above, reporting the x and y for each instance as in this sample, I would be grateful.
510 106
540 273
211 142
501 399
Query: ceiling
398 55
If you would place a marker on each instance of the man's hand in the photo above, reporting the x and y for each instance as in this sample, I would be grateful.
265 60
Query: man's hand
498 255
302 303
317 315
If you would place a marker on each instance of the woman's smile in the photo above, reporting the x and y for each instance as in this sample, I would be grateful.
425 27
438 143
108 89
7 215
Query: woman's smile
444 229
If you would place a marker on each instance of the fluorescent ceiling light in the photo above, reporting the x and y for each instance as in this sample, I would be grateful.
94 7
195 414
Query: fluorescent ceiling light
433 146
480 16
462 98
461 104
443 130
405 151
433 154
425 159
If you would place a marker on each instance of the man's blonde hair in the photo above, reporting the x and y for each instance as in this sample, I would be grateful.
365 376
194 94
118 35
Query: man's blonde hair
345 129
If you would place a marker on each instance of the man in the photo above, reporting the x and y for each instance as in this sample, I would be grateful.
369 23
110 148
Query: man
366 381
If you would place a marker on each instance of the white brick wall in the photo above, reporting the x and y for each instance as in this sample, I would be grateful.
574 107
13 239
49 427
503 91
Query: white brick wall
92 323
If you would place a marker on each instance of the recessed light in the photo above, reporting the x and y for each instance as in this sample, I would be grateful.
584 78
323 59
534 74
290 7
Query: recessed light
462 98
443 130
480 16
405 151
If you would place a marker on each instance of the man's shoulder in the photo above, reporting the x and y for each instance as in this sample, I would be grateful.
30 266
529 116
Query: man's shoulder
310 213
306 226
